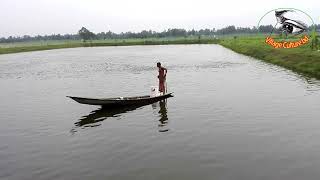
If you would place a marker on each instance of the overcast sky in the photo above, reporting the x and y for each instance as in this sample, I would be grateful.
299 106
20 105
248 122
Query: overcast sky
32 17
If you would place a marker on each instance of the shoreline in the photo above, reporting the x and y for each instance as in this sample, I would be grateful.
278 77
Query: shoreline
300 60
18 49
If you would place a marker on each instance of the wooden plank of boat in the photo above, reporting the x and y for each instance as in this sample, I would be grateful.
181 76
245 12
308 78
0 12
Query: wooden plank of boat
121 101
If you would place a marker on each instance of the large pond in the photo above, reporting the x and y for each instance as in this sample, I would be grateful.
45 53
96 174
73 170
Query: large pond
232 117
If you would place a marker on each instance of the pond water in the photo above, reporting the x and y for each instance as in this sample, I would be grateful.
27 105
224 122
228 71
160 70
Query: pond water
231 117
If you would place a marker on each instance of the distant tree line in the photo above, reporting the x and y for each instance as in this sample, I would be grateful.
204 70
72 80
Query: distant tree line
39 37
85 34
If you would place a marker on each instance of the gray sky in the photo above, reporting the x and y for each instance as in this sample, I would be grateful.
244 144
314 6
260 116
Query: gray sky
32 17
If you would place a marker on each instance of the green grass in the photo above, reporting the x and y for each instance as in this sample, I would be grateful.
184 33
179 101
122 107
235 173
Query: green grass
6 48
302 59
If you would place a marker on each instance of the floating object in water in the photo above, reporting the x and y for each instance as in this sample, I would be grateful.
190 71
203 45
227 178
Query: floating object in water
154 91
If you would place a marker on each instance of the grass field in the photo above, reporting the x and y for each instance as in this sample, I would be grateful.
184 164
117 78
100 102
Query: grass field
302 59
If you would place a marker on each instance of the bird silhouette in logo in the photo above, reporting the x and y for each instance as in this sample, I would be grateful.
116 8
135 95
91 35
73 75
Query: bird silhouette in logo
289 26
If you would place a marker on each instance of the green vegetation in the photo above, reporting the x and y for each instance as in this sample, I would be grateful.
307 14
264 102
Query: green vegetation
46 45
85 34
302 59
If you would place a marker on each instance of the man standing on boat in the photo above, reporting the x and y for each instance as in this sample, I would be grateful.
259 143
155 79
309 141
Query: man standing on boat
162 78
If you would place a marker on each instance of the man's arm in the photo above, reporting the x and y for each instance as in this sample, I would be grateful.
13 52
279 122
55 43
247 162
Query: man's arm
166 71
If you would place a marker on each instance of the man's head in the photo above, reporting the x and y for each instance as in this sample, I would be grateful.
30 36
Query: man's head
158 64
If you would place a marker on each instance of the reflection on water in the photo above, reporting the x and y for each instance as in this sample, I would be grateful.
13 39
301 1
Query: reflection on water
163 117
101 114
163 121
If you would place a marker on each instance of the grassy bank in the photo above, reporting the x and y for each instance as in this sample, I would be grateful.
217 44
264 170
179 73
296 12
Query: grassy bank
37 46
302 59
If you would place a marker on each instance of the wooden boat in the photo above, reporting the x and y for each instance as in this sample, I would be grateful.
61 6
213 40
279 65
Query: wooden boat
121 101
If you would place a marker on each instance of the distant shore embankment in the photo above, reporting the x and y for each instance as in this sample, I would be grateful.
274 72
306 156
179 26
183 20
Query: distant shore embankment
38 46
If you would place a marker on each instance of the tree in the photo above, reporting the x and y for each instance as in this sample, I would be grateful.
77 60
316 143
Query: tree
266 28
85 34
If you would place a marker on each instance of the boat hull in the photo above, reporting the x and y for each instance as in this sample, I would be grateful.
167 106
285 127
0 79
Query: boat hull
121 101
